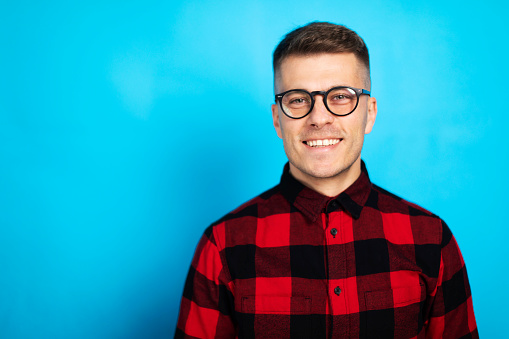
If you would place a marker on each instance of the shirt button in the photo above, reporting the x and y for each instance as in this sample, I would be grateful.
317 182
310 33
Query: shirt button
334 231
334 204
337 290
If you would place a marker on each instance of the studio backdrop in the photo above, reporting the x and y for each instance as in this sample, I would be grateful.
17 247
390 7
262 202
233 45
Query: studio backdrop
127 127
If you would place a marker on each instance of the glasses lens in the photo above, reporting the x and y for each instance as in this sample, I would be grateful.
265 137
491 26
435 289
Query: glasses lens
296 103
342 101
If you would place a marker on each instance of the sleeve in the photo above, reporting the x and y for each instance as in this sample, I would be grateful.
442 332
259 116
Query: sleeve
206 310
452 312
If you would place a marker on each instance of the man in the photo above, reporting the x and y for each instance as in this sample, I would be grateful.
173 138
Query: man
326 253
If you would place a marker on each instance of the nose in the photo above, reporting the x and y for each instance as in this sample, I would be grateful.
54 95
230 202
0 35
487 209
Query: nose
320 115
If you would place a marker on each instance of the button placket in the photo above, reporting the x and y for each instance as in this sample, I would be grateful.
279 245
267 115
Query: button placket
337 290
332 206
334 231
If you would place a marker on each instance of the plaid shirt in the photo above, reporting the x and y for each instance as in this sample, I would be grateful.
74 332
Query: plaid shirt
292 263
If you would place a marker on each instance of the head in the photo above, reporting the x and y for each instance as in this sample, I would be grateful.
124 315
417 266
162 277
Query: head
322 37
323 148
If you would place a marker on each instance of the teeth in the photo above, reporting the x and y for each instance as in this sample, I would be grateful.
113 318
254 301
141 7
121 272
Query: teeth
324 142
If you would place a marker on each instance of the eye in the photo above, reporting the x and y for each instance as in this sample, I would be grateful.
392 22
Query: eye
298 101
341 96
338 97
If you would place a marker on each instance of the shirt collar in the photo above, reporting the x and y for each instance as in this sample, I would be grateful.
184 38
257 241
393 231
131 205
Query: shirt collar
312 203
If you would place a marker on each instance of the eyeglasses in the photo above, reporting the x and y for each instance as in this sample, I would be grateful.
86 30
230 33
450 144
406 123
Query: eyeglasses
340 101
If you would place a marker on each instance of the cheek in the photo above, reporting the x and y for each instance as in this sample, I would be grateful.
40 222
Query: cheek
289 135
359 125
279 131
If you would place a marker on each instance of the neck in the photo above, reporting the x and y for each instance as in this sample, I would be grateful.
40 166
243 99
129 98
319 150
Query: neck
331 186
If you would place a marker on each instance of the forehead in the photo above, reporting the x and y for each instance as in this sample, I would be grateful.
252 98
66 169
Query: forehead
319 72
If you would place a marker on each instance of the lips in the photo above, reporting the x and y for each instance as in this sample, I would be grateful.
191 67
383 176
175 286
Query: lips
321 142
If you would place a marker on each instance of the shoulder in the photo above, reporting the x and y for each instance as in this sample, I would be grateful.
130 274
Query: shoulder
400 214
252 207
391 203
241 222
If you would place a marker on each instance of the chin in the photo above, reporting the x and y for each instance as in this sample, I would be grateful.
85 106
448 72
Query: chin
323 172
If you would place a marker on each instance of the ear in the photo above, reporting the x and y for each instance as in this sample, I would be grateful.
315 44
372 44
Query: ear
275 120
372 111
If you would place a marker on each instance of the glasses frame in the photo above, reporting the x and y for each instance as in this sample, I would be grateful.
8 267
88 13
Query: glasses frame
358 92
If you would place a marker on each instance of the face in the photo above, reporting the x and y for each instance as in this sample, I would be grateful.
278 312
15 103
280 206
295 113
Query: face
340 159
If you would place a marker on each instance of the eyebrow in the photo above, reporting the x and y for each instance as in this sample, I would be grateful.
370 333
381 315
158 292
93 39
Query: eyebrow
325 90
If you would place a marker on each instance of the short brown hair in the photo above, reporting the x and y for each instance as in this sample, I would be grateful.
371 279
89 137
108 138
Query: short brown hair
321 37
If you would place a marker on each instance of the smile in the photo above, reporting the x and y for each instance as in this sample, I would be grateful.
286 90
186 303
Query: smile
322 143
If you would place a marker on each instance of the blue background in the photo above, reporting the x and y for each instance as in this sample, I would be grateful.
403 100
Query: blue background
128 127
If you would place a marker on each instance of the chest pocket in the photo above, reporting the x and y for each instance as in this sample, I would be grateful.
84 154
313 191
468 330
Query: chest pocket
276 305
394 313
278 316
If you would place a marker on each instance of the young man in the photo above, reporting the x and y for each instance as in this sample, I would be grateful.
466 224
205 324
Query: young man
326 253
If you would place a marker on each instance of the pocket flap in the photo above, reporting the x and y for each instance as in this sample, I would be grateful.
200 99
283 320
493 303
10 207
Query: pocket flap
262 304
396 297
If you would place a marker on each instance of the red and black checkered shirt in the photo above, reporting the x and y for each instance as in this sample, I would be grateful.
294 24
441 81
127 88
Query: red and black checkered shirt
292 263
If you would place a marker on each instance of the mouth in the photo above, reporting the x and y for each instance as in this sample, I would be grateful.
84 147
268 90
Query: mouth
321 142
